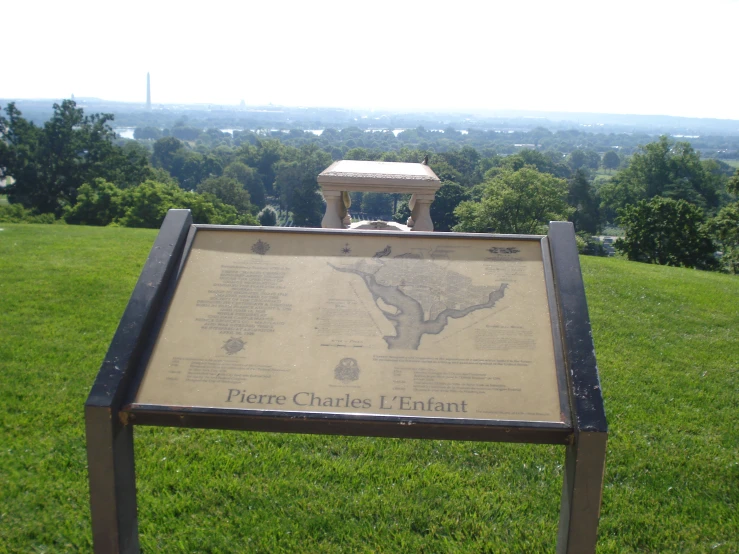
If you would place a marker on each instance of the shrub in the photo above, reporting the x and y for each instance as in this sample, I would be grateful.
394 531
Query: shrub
666 232
98 203
16 213
268 217
588 245
725 230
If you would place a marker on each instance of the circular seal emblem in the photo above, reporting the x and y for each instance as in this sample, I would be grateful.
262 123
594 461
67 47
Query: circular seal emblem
233 345
347 370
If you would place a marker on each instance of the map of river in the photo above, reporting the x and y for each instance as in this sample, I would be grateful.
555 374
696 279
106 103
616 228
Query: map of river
418 294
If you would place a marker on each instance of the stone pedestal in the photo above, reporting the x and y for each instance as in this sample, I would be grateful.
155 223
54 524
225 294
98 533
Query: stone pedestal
332 217
389 177
420 206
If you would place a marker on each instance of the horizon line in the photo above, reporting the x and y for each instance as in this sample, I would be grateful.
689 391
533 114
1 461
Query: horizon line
483 112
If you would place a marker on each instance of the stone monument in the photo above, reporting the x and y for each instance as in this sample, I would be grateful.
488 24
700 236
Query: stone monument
392 177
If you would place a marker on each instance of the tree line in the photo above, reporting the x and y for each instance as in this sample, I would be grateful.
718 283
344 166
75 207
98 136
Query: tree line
74 168
339 141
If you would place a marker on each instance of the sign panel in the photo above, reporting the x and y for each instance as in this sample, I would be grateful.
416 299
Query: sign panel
373 324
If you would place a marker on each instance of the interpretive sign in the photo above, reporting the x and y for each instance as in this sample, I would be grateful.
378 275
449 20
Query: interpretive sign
363 324
423 335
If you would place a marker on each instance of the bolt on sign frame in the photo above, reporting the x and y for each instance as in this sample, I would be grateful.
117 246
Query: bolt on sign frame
246 328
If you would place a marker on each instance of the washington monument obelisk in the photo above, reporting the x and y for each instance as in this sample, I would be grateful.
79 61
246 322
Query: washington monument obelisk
148 92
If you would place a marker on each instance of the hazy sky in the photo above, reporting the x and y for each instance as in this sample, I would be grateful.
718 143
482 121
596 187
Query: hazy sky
641 57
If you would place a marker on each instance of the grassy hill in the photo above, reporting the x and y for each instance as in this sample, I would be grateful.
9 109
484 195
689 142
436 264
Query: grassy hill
668 351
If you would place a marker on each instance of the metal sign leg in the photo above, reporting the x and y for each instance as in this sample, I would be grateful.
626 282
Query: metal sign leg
111 469
581 493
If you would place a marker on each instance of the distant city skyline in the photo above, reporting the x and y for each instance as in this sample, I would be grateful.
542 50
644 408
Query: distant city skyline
649 58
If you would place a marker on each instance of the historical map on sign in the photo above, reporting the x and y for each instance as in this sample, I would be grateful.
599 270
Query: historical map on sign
367 323
420 298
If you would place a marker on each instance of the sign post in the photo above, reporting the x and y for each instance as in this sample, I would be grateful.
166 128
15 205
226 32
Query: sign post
444 336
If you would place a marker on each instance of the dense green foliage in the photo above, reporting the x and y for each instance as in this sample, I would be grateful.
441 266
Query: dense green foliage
662 168
671 468
145 205
15 213
666 232
448 197
339 140
70 167
522 201
267 217
228 190
611 160
250 180
50 163
74 159
725 228
581 196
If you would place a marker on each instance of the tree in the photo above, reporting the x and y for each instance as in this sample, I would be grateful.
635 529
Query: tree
185 133
18 154
146 205
537 134
377 205
522 201
98 203
661 168
666 232
187 166
263 156
165 150
447 198
464 163
228 190
50 163
359 154
267 217
135 168
299 170
592 159
732 185
611 160
725 230
444 171
583 158
580 196
140 133
308 204
576 159
249 179
540 161
402 212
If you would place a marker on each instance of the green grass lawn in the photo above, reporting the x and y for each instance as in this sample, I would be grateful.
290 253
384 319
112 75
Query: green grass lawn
732 163
668 352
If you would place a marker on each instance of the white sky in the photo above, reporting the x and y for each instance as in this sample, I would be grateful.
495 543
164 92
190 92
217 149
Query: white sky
639 57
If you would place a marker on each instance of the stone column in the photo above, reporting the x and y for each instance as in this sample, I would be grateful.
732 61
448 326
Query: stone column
420 206
332 219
